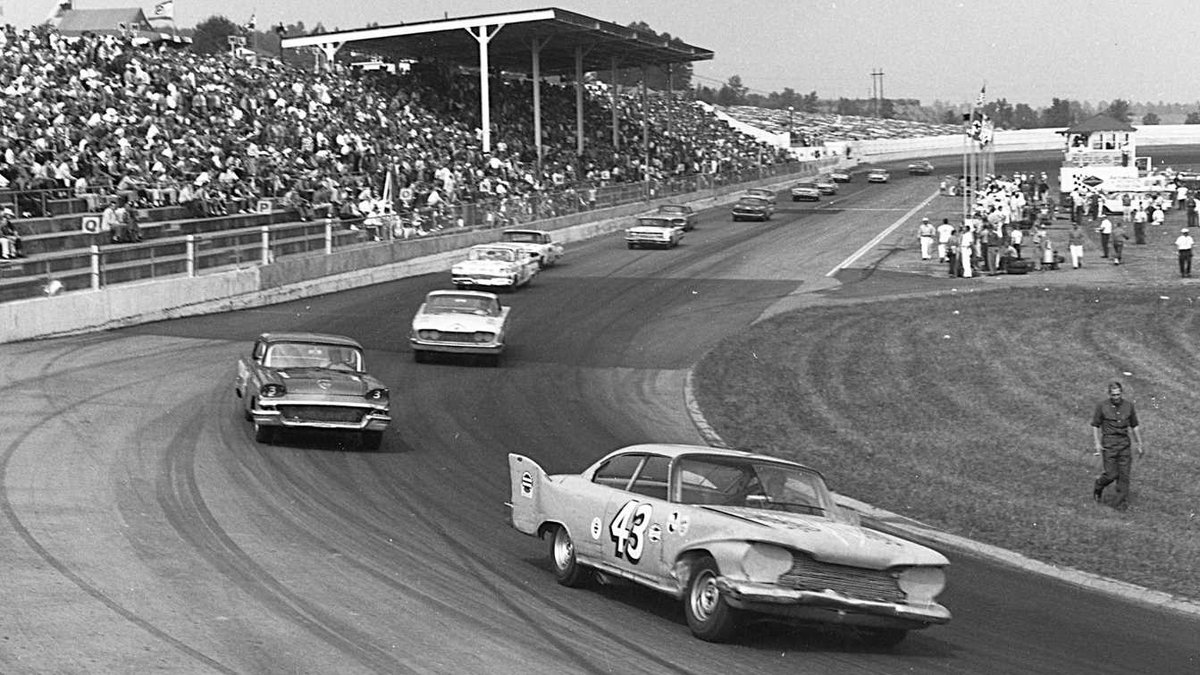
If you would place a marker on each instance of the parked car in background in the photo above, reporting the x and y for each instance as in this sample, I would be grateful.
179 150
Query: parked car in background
680 214
311 381
734 535
656 230
878 176
505 266
763 193
538 243
752 208
921 168
459 322
841 175
806 191
826 185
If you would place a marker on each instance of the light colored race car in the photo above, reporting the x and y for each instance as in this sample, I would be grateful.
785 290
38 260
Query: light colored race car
311 381
655 230
732 534
505 266
879 176
459 322
537 243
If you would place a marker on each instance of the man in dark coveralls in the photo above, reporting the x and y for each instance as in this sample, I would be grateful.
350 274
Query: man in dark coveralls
1113 422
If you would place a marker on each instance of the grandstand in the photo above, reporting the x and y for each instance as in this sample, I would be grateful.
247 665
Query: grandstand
198 144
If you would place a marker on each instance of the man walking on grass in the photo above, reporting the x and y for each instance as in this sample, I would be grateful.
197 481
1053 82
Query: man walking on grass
1113 423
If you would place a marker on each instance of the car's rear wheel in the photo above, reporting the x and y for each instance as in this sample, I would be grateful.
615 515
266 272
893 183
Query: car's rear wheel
371 440
567 570
264 433
708 614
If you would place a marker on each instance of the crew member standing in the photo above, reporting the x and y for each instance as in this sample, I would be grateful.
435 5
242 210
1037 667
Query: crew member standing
926 233
1113 423
1105 229
944 231
1184 243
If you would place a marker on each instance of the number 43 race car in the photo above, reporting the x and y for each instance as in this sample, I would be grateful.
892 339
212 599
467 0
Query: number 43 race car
731 534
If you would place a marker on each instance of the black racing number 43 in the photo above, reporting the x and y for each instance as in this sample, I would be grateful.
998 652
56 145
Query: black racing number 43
628 530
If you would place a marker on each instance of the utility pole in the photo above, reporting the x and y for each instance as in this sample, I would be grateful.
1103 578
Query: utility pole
877 90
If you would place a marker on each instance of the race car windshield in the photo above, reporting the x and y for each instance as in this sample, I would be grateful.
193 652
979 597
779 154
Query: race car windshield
311 355
462 304
740 482
521 237
501 254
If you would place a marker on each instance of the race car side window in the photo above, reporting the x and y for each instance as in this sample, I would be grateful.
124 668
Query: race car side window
260 348
652 479
618 471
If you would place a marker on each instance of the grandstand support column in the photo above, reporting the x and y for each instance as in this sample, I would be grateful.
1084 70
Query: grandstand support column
535 51
330 50
483 35
578 100
645 132
190 247
265 257
612 93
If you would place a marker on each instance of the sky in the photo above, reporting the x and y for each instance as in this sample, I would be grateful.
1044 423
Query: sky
1023 51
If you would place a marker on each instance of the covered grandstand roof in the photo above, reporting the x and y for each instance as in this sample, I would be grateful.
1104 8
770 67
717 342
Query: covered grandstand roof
509 50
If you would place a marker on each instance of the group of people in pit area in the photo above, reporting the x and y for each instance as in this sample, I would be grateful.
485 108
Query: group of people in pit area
1005 228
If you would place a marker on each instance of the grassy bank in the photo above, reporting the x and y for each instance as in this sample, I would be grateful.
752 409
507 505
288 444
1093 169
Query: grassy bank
971 413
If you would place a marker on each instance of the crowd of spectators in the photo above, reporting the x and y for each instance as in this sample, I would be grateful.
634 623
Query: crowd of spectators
811 128
153 126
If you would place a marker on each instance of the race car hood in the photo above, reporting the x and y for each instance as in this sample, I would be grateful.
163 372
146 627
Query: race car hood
483 267
324 382
458 322
650 229
834 542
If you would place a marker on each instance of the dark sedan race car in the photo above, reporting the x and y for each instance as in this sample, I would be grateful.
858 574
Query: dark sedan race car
731 534
311 381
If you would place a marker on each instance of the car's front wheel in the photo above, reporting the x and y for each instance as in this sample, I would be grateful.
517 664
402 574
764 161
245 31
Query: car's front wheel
708 614
567 570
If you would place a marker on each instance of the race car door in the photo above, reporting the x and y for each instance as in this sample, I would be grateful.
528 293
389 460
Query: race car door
634 520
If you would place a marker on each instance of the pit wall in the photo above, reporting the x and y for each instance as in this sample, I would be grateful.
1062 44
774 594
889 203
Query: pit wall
299 277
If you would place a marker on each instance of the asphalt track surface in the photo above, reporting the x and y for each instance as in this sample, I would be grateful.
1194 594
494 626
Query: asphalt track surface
143 529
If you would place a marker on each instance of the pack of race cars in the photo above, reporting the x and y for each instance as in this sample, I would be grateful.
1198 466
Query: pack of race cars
735 536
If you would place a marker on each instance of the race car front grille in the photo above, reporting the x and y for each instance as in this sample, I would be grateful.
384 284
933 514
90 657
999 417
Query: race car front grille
322 413
808 574
448 336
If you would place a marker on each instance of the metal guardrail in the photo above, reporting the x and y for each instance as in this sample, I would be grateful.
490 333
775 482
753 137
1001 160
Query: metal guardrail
104 264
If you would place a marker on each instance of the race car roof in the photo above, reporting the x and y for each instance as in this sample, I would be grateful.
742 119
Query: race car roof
513 34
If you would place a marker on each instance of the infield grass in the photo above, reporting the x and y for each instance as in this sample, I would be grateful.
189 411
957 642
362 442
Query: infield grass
971 413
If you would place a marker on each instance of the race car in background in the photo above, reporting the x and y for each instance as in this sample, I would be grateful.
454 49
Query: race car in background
292 381
504 266
659 231
538 243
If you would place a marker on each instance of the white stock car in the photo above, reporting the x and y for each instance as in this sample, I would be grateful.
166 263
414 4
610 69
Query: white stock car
654 230
536 242
494 266
459 322
731 534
